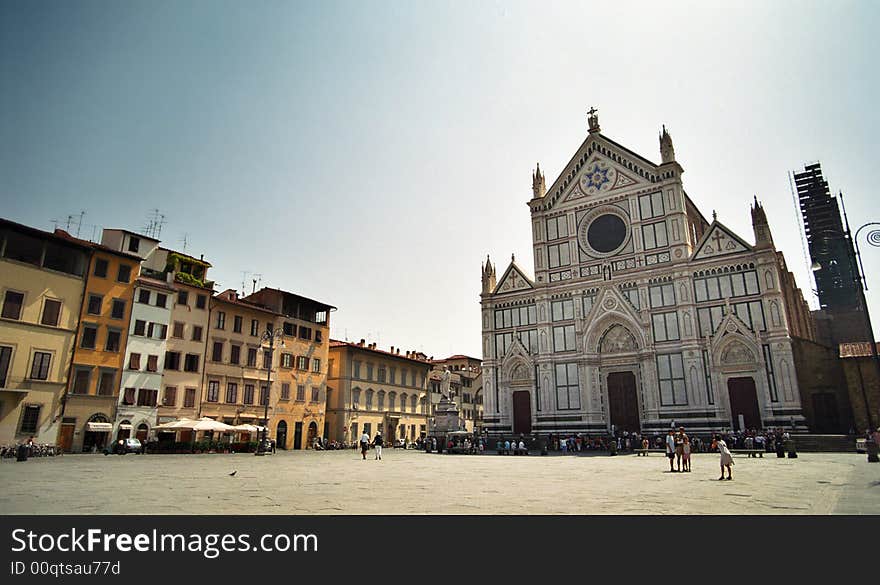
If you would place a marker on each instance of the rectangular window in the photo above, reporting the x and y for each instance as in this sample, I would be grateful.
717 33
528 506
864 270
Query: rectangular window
316 368
148 397
152 363
558 255
172 360
235 354
134 361
248 397
221 320
752 314
516 317
213 391
177 331
82 379
563 338
217 351
557 227
40 365
651 205
117 310
662 295
562 310
285 391
113 338
5 359
302 363
133 244
191 362
356 371
255 327
752 283
286 360
316 394
301 392
140 327
129 396
632 295
252 357
654 235
197 333
588 303
89 337
665 326
236 324
710 396
51 312
106 383
392 374
161 300
189 398
670 372
170 396
201 301
94 306
567 387
264 395
124 273
710 318
305 333
768 369
144 296
318 336
231 393
30 419
101 267
182 297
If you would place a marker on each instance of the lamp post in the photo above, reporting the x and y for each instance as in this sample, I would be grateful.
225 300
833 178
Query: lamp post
269 335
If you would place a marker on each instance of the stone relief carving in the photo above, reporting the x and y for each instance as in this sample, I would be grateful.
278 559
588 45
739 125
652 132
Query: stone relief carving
688 328
695 386
616 340
683 290
786 381
737 353
768 279
519 372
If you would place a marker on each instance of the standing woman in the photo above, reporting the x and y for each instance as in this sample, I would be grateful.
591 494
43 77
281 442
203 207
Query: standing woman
726 457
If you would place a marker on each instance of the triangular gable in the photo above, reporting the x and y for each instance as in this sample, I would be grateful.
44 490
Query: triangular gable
581 178
609 299
719 240
513 280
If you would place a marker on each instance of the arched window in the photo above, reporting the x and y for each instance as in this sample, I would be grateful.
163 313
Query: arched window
381 400
392 400
369 404
413 401
403 402
356 397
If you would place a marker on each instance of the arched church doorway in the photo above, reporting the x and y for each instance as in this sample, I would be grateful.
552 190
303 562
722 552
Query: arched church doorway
281 435
744 403
623 403
522 412
313 434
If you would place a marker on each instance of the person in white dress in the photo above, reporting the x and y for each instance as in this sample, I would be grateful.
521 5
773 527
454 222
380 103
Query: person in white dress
726 457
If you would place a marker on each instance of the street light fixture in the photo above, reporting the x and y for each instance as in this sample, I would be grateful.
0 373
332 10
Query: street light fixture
269 335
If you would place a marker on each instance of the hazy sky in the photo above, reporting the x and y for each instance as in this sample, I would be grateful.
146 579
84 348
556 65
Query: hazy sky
370 154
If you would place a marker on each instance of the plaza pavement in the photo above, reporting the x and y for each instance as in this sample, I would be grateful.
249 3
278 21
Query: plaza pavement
412 482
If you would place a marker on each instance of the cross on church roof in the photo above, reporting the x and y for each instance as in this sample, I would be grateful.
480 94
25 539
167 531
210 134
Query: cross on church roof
717 238
592 111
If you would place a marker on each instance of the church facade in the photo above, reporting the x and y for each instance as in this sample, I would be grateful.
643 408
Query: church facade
641 313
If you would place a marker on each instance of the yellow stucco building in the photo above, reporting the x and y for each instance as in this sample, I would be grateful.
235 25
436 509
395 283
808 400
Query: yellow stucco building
41 289
237 359
371 390
93 387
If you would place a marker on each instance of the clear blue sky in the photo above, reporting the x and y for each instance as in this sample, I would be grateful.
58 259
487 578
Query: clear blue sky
370 154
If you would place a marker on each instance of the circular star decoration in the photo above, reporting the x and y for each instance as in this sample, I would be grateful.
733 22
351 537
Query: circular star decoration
595 178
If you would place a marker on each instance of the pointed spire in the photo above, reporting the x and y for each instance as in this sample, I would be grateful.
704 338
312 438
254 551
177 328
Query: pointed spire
714 215
761 227
512 258
488 277
667 151
539 186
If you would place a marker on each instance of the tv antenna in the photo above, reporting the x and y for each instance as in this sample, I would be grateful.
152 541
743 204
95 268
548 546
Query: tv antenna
183 241
155 221
258 278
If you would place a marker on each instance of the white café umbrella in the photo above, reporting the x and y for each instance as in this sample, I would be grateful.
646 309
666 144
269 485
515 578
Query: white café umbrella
174 425
209 424
248 428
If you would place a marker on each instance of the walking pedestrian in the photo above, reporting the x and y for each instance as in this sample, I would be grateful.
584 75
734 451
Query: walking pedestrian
365 445
670 449
726 457
377 444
